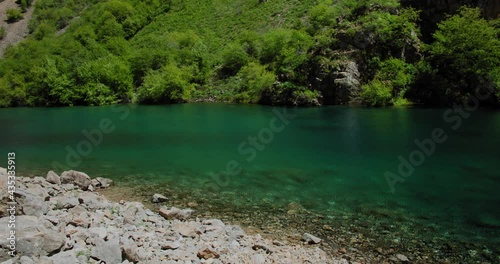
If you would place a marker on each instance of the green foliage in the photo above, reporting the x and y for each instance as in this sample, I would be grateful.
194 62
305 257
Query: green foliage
2 32
466 50
254 80
390 83
376 93
14 15
233 58
91 52
170 84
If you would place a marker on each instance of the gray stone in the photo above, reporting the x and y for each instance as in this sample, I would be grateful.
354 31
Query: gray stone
26 260
65 257
64 202
80 179
98 232
158 198
107 251
171 245
402 258
310 239
91 200
175 213
185 229
104 182
133 253
258 259
30 203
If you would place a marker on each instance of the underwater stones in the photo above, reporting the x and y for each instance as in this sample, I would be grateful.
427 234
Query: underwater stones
310 239
158 198
402 258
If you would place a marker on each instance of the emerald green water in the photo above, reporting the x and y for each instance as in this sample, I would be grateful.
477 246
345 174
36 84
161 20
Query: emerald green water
328 159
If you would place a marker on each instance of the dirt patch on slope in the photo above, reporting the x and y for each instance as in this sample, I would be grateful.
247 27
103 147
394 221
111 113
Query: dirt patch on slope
14 32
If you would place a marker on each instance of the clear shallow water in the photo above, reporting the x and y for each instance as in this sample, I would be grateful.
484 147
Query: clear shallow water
329 159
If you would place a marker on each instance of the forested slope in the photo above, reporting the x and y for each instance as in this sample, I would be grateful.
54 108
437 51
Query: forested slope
375 52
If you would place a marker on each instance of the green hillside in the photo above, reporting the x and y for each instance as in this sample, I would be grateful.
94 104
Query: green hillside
248 51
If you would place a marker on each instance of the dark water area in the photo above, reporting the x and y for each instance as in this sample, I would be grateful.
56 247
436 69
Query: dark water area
333 161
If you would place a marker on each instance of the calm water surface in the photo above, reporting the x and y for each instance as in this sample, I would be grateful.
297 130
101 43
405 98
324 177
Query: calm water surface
329 159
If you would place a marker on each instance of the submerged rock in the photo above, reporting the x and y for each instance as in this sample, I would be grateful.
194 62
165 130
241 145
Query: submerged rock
158 198
310 239
402 258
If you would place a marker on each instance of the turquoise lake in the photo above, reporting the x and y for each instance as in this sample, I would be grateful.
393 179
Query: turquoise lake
328 159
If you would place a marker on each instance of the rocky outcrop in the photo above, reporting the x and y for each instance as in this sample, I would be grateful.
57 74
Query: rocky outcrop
67 223
341 85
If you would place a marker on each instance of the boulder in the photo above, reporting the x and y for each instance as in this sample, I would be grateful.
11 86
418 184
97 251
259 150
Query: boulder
31 204
133 253
158 198
65 257
52 177
175 213
77 178
101 182
310 239
105 182
107 251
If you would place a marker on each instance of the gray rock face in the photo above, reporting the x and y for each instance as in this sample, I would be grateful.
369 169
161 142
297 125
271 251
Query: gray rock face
158 198
347 84
77 178
340 85
52 177
310 239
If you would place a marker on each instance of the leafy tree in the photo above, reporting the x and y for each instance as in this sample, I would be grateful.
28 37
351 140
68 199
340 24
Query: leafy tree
390 83
233 58
466 49
254 80
170 84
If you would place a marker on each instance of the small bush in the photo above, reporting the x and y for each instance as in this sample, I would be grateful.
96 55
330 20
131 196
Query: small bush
14 15
2 32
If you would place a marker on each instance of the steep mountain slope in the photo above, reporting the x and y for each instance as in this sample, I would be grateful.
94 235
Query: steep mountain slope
95 52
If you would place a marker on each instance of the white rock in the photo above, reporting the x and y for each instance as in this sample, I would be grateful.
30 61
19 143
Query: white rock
52 177
402 258
311 239
158 198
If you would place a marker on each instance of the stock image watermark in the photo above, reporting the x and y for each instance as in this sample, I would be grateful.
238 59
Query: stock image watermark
11 204
424 148
91 139
249 148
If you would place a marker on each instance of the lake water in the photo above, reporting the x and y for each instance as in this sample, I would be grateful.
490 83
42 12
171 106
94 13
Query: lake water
331 160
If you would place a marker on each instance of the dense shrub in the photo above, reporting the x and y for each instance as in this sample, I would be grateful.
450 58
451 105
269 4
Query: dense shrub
14 15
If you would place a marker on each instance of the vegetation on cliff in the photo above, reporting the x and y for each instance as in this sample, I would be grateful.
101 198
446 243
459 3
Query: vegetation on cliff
270 52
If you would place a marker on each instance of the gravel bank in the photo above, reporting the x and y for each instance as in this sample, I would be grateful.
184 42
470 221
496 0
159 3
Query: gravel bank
61 219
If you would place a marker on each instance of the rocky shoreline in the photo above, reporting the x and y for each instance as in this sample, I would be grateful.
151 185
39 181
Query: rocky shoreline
62 219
